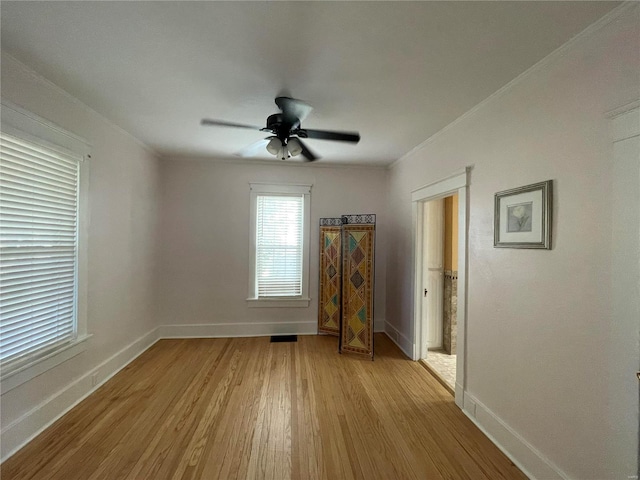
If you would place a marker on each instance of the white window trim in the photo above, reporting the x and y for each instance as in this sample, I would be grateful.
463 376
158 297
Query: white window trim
298 301
23 124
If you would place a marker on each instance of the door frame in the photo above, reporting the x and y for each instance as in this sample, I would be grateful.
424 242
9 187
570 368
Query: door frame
456 183
625 128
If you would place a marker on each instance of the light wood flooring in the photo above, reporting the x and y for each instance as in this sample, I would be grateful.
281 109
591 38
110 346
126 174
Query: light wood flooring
248 409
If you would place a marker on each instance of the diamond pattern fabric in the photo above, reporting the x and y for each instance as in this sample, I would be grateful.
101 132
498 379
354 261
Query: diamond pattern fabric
357 289
330 268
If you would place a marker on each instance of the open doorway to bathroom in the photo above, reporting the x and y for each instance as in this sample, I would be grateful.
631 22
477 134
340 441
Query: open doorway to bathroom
426 225
440 292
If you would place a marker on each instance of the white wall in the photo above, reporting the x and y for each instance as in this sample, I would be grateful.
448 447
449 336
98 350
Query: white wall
204 273
540 329
123 195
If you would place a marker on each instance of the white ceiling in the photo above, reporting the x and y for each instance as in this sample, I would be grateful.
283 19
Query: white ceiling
395 71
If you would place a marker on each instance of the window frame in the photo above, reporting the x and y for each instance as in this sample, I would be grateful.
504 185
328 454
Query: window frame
27 126
256 190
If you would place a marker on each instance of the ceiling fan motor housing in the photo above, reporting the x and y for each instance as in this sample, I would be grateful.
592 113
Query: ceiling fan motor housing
281 127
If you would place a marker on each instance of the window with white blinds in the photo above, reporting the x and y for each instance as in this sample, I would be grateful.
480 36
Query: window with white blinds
279 253
279 245
38 249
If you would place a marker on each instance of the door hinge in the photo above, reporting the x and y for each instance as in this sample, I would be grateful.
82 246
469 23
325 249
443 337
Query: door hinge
425 292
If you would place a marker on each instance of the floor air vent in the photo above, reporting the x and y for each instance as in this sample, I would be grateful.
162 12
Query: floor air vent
284 338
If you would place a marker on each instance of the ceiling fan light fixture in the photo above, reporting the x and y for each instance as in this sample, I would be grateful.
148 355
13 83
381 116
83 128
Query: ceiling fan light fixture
294 147
274 146
279 148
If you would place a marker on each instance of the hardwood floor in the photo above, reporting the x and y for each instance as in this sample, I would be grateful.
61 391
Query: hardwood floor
248 409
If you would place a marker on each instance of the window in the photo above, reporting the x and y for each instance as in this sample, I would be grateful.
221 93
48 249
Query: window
39 255
279 245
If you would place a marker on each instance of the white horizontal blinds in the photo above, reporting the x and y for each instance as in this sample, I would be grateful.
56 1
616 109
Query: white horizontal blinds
279 245
38 248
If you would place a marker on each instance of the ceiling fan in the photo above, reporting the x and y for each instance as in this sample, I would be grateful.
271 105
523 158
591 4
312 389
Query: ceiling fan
286 131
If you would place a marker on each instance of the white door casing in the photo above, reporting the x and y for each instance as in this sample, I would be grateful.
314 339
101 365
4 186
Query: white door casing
456 183
624 359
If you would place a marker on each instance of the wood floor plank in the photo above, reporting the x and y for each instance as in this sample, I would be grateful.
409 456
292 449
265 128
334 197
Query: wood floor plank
245 408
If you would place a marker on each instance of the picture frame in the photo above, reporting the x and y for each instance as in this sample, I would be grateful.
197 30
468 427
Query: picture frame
522 217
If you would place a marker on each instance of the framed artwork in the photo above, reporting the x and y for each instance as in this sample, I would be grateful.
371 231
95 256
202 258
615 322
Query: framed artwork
522 217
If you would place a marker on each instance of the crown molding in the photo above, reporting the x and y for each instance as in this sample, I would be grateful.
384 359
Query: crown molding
49 84
559 52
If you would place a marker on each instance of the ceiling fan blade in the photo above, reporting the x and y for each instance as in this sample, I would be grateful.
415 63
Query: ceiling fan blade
254 148
353 137
221 123
293 108
306 153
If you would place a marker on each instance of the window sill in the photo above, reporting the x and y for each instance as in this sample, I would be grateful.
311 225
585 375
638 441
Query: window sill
23 373
296 302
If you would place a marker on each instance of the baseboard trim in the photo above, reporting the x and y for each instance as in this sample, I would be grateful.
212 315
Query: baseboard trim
24 429
459 395
524 455
225 330
399 339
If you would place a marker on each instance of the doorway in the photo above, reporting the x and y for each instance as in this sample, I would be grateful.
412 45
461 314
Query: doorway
440 292
440 257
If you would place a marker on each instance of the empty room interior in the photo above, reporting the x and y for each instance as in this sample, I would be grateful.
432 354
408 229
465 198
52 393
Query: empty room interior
320 240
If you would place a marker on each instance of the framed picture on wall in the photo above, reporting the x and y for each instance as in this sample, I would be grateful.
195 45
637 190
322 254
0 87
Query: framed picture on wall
522 217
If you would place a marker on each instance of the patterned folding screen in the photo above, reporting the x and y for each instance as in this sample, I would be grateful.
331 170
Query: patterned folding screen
358 251
330 275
